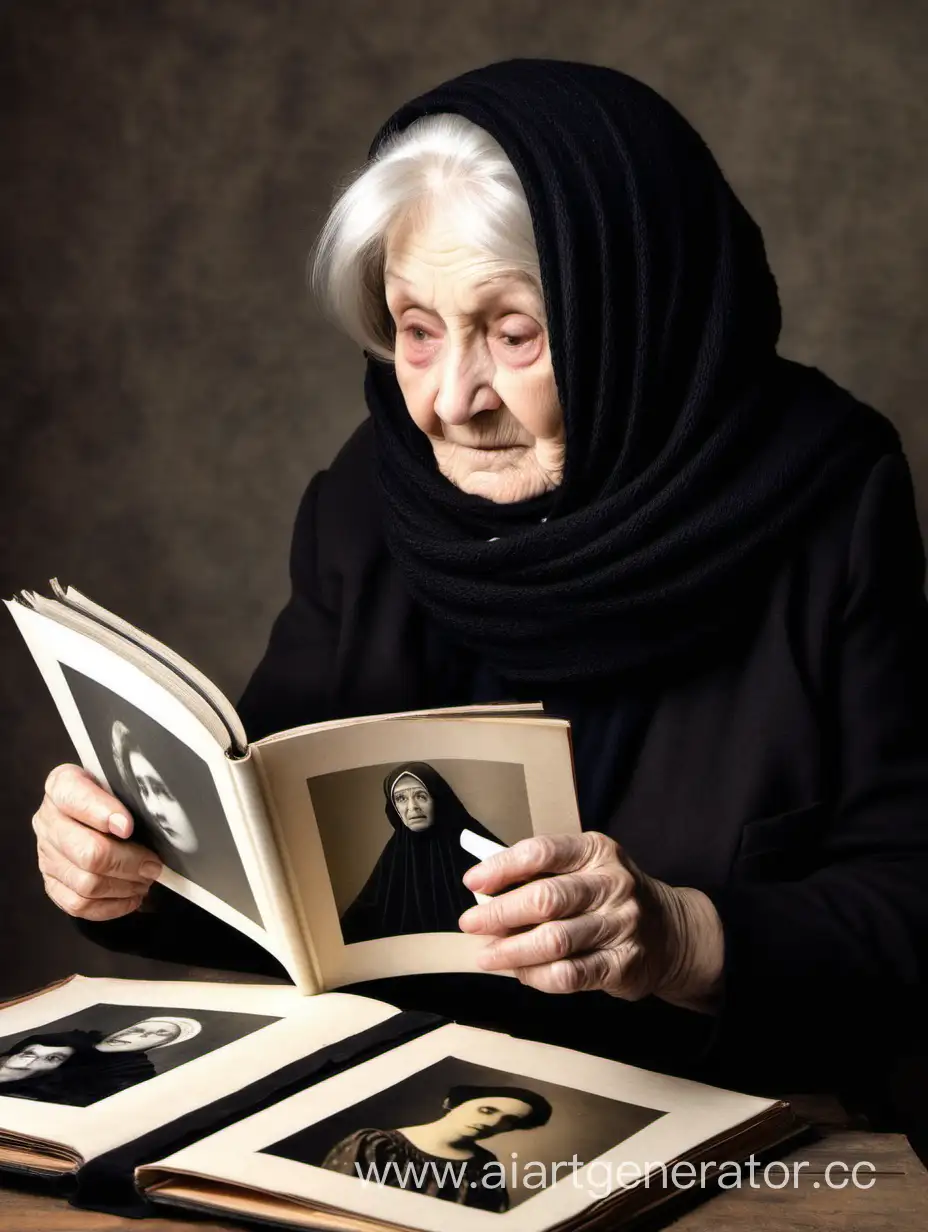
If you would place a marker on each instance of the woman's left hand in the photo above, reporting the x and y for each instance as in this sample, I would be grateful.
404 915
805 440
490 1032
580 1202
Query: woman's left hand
588 918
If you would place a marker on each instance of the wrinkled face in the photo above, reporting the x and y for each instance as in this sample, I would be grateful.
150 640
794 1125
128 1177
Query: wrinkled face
473 363
149 1033
35 1059
413 802
482 1118
161 805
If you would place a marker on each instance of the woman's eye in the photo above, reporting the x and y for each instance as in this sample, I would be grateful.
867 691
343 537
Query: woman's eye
418 334
520 339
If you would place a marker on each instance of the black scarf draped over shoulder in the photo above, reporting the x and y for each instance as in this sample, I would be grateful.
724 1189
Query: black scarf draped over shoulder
415 886
695 455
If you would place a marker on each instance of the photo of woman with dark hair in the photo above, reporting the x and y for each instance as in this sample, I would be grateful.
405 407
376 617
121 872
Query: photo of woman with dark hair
158 804
416 886
471 1114
37 1056
168 789
426 1129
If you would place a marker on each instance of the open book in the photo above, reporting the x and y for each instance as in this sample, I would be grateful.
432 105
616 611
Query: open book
340 846
341 1112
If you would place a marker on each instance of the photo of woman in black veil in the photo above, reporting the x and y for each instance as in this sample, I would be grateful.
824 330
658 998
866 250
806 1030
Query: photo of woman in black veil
85 1074
30 1062
78 1067
415 886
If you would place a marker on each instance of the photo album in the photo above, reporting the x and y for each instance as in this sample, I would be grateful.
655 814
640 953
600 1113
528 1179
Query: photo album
339 847
312 840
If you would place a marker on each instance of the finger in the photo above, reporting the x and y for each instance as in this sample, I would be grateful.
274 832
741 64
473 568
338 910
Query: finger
89 909
101 854
611 970
532 857
75 794
551 898
552 941
88 885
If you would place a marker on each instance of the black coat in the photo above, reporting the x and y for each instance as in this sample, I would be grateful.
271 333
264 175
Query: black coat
789 781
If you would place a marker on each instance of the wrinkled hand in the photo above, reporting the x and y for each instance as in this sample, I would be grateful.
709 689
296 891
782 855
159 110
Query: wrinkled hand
87 872
588 918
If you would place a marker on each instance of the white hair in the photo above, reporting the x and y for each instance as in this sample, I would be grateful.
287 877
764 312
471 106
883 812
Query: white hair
443 161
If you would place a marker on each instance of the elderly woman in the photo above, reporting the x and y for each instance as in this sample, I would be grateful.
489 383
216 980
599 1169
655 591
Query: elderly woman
417 884
587 477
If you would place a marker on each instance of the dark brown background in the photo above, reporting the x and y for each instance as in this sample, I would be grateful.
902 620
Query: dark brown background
167 391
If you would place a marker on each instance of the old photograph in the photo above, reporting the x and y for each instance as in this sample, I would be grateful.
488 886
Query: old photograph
468 1134
392 839
90 1055
168 789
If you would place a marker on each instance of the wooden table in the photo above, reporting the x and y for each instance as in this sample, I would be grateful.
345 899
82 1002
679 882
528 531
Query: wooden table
897 1201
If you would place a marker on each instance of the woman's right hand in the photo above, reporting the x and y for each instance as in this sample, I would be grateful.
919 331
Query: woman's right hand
88 872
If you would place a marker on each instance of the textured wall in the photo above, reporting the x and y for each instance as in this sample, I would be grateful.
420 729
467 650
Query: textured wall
167 391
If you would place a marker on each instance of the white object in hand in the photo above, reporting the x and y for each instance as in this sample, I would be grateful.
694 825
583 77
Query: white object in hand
480 847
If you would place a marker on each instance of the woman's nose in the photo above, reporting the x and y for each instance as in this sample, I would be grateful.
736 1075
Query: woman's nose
464 390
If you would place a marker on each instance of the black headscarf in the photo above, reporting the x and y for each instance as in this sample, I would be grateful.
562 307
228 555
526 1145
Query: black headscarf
32 1086
695 456
416 885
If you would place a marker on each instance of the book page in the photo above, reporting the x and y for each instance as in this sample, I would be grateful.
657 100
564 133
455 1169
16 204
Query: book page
181 666
370 817
477 1124
141 742
64 614
474 710
94 1063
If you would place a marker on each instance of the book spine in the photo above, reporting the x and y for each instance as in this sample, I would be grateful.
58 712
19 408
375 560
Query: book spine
286 917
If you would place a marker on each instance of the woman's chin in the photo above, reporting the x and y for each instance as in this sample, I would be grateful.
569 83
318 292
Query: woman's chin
186 844
502 487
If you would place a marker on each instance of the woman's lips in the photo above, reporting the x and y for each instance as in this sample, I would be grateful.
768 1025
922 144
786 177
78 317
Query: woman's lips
490 456
489 448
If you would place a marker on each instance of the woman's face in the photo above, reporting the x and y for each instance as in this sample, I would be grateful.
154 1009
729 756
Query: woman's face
473 363
482 1118
161 805
149 1033
34 1059
413 802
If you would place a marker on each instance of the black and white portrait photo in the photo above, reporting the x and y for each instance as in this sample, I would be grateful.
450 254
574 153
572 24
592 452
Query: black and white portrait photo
392 839
168 789
145 782
98 1051
501 1133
